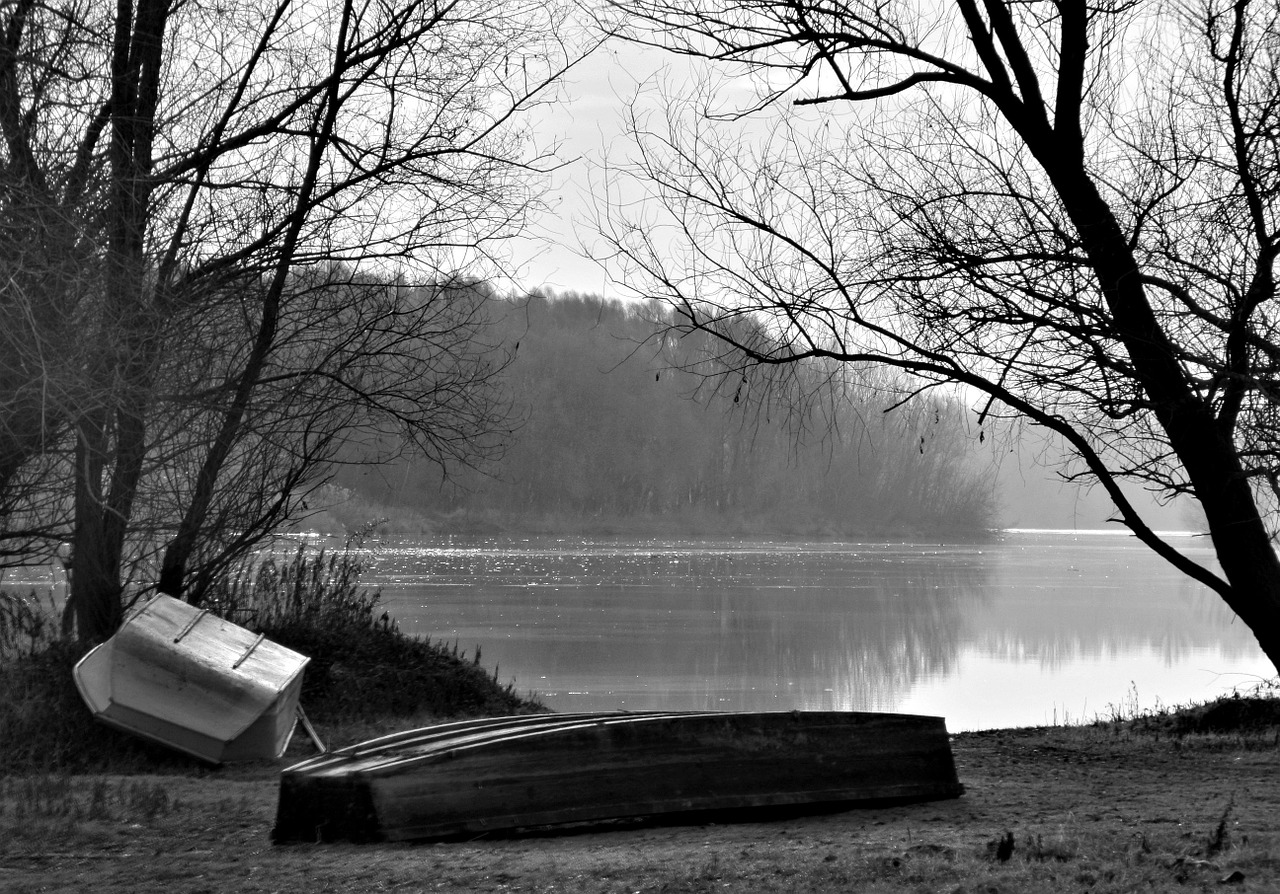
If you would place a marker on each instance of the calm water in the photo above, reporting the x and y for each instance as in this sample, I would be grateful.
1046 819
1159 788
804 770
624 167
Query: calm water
1036 627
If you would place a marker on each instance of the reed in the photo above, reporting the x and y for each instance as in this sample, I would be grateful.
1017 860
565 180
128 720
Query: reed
313 590
362 666
1249 715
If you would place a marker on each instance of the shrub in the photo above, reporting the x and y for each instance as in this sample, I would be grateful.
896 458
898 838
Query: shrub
362 666
45 727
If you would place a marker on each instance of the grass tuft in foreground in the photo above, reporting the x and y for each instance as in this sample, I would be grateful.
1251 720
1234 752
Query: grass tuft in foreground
1248 717
44 805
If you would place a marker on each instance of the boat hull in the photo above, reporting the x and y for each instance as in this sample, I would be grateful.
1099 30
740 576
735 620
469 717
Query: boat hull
544 771
194 682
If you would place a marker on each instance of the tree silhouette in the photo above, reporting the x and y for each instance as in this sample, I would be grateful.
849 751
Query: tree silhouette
174 172
1068 209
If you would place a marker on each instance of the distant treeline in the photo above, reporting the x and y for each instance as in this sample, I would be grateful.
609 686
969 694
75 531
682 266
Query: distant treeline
622 427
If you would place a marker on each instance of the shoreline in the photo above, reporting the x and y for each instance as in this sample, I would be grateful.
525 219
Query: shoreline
1107 807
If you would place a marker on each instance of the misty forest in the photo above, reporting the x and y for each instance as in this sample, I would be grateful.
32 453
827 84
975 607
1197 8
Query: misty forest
618 426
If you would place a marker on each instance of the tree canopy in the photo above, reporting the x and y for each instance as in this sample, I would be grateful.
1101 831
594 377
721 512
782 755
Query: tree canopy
227 232
1070 210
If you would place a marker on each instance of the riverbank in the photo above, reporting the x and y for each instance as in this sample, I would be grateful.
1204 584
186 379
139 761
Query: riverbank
1109 807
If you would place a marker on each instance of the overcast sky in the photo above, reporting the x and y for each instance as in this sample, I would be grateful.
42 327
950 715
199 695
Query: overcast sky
588 122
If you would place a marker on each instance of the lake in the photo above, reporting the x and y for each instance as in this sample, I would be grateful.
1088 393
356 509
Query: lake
1034 627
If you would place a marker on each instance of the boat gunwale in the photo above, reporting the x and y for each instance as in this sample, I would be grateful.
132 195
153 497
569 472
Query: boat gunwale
430 742
436 745
409 737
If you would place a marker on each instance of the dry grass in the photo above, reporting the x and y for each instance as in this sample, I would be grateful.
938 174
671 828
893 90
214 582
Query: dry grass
1078 809
1109 807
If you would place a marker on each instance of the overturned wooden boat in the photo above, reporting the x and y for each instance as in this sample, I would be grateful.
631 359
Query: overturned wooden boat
180 676
540 771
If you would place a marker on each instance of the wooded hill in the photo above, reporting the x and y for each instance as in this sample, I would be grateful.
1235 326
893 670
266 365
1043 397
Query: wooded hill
622 429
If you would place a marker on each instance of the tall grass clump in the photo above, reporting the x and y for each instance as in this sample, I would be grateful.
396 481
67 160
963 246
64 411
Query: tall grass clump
362 666
1246 717
37 695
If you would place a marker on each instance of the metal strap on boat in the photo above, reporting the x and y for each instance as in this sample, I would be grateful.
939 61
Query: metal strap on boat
249 651
190 624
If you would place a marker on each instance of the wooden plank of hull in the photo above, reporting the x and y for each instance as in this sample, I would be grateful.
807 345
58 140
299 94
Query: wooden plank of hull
561 769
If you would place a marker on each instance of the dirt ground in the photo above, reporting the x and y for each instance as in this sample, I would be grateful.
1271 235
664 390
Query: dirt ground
1088 809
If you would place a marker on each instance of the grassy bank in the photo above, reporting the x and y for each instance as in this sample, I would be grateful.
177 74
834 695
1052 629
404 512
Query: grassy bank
365 676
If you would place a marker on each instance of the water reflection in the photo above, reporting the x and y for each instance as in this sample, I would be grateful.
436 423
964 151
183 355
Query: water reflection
1000 633
733 625
1023 630
691 625
1066 598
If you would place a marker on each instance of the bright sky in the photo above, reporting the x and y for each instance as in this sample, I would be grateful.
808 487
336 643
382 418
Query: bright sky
587 123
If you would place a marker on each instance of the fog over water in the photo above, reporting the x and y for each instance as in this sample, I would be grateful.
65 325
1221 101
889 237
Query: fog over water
1035 627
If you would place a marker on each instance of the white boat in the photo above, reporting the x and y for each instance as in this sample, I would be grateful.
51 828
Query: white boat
180 676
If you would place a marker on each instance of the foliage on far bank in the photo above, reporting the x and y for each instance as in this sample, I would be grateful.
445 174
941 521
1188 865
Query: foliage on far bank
629 431
362 669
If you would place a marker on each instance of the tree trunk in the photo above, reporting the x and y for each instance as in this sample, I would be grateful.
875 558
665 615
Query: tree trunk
94 599
122 372
1202 444
1247 557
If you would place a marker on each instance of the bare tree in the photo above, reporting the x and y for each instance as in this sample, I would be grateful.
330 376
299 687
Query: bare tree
378 368
170 168
1069 209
